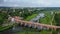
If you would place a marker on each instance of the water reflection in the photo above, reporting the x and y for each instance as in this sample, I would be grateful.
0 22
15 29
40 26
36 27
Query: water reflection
18 29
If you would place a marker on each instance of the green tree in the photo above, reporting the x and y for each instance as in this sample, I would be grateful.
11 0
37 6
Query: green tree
57 19
3 17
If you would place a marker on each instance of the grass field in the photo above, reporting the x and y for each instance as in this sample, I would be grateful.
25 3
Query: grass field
47 19
30 17
42 32
6 27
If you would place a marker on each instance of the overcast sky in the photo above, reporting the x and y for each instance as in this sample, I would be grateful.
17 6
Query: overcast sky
30 3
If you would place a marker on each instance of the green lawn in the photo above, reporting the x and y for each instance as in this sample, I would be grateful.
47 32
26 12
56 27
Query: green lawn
45 32
5 27
42 32
30 17
47 19
27 33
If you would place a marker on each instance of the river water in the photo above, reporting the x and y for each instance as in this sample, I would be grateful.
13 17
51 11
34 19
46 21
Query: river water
36 19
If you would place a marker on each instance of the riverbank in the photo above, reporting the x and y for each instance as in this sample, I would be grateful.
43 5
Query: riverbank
30 17
3 28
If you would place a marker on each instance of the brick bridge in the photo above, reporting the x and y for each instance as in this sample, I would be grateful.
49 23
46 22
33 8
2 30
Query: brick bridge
35 24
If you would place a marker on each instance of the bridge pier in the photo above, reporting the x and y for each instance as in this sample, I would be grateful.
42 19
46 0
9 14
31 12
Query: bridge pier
21 23
44 28
29 25
39 27
25 24
55 29
14 27
47 28
35 26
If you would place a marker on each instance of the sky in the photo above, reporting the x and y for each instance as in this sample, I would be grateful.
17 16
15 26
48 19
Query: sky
30 3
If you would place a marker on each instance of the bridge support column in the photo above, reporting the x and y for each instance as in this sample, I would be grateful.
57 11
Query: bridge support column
21 23
48 28
40 27
29 25
25 24
35 26
55 29
13 27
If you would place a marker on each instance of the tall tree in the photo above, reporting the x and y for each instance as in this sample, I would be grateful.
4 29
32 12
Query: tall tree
57 19
3 17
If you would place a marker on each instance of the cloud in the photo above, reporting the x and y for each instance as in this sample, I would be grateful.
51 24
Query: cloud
1 1
30 3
